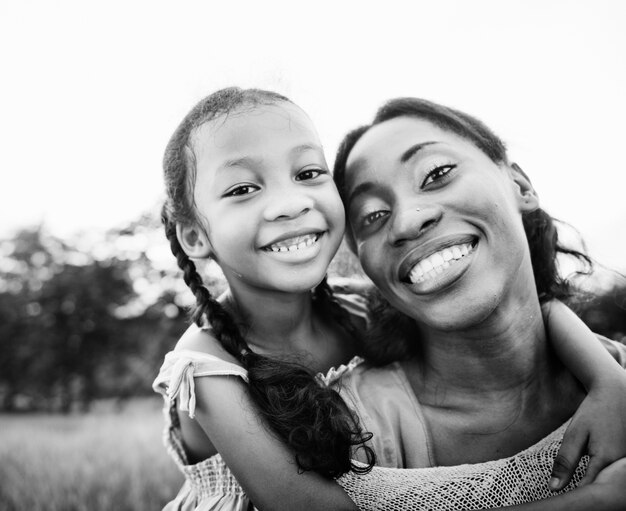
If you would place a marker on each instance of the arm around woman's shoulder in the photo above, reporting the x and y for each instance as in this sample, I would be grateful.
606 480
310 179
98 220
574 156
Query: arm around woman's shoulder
263 465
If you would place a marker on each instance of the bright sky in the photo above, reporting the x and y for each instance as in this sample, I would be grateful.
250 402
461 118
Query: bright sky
91 91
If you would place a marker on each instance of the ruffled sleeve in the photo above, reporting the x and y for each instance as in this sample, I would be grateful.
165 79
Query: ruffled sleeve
176 376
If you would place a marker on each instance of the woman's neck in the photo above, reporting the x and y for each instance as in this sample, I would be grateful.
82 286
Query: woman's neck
505 351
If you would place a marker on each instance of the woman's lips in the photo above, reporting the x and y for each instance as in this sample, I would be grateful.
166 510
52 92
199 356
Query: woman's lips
435 264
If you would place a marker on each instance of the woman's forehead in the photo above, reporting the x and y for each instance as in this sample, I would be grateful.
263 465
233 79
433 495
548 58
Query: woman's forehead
391 139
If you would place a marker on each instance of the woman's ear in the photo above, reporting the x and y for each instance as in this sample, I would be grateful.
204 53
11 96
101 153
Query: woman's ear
194 241
525 193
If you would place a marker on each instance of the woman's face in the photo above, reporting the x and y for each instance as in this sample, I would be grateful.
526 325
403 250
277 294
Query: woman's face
437 224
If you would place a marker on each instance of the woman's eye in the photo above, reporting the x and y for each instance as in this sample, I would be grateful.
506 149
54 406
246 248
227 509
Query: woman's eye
241 190
437 173
370 218
307 174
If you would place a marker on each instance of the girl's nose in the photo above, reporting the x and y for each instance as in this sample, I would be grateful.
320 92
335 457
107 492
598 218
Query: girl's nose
412 222
287 205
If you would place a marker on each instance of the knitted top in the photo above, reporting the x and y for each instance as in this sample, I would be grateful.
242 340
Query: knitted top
387 407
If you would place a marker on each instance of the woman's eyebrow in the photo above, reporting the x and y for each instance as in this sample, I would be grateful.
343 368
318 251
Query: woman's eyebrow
410 152
360 189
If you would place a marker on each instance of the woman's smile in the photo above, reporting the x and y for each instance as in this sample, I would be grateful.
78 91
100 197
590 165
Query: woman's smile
437 264
436 223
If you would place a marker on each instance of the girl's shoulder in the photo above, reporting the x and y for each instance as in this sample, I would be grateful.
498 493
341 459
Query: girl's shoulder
197 354
202 340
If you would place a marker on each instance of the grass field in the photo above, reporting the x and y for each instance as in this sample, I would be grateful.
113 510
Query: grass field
104 460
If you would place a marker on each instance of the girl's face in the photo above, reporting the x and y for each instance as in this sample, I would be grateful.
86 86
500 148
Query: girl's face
266 199
437 224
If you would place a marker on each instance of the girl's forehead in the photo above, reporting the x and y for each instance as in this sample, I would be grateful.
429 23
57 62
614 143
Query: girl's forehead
253 127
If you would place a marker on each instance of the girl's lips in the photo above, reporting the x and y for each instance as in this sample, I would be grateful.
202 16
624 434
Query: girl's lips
292 238
293 244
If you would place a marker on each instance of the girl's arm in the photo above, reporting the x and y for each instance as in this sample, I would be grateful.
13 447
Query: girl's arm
606 493
597 427
263 465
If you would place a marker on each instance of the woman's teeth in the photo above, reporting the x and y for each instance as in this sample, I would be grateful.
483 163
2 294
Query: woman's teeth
293 244
436 263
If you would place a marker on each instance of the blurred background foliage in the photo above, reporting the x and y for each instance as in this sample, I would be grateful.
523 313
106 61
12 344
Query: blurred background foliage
91 317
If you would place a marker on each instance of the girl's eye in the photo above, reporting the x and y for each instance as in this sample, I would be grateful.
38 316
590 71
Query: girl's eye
241 190
438 173
308 174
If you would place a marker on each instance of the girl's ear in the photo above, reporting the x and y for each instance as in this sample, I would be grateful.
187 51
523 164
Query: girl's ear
194 241
525 193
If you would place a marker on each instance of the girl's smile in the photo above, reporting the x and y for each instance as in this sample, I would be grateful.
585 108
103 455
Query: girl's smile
266 199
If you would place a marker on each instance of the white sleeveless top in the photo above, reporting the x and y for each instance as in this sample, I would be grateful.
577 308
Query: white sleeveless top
209 484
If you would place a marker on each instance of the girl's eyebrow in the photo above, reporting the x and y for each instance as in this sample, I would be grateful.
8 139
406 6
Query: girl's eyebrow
249 161
245 161
307 147
410 152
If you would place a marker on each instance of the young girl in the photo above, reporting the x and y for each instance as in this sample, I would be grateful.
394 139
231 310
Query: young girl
248 186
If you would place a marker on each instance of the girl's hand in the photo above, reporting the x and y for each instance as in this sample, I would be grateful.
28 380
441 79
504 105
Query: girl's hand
598 428
610 486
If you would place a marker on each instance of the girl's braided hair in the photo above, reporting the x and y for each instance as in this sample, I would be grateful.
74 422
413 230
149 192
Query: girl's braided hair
313 420
539 226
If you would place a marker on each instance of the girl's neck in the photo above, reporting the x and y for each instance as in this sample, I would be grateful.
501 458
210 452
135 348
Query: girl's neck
288 324
271 319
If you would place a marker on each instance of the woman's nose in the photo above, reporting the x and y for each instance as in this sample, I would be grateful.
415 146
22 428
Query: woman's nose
412 222
287 204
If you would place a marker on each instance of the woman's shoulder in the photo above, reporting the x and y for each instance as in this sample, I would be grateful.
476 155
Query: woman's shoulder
615 348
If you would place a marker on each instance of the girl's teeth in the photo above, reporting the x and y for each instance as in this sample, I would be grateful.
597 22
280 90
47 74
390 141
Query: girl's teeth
293 244
436 263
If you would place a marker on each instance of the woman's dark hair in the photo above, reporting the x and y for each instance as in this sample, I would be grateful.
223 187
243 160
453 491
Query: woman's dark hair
539 226
312 419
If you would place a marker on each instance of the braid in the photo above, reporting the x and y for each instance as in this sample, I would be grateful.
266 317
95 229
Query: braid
313 420
207 307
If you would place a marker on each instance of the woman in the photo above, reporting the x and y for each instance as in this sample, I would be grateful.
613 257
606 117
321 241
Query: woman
452 235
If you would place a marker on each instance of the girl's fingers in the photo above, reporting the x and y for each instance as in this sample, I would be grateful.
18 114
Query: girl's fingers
596 464
566 461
